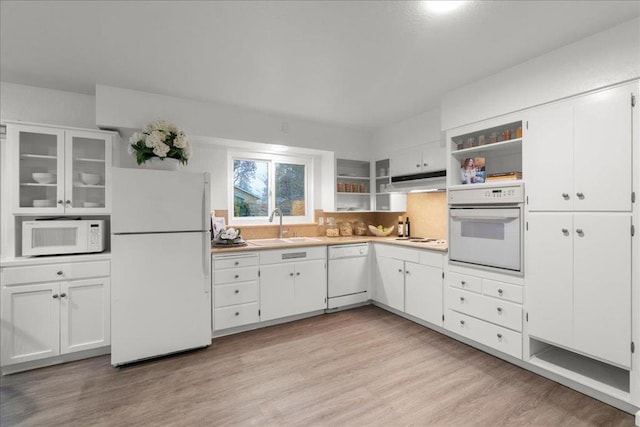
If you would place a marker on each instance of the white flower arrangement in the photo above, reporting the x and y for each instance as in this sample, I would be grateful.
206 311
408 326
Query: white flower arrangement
160 139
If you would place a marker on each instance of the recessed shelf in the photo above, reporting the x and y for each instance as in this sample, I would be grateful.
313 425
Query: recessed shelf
35 184
353 177
353 194
505 147
81 159
88 186
37 156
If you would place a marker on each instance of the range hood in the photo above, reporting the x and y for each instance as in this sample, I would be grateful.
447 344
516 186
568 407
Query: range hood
424 181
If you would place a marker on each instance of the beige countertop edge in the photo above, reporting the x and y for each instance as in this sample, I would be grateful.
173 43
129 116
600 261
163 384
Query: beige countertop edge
327 241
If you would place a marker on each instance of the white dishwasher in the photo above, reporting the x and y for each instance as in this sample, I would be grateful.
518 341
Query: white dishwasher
348 281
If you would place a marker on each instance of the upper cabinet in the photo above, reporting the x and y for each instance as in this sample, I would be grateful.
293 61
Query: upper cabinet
426 158
58 171
580 154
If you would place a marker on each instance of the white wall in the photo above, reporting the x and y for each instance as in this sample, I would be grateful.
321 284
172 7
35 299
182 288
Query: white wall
417 130
125 108
606 58
48 106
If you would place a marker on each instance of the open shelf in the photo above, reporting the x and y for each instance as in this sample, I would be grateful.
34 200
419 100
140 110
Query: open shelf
37 156
35 184
79 159
504 147
601 376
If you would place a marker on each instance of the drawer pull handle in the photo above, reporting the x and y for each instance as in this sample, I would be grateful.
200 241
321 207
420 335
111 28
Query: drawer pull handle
291 274
580 195
565 196
499 336
499 310
237 313
59 273
236 276
500 292
461 299
399 270
236 263
62 295
580 232
54 296
463 283
237 291
462 322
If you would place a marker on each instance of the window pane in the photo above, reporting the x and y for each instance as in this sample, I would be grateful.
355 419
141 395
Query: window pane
250 188
290 189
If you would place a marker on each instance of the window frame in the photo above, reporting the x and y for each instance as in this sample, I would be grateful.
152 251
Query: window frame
271 159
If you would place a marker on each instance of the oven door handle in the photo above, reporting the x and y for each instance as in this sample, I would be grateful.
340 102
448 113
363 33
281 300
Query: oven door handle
506 216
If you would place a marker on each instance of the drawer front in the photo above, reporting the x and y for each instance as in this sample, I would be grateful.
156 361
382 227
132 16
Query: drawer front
462 281
230 261
240 293
236 315
293 254
397 252
431 258
235 275
55 272
501 290
503 313
493 336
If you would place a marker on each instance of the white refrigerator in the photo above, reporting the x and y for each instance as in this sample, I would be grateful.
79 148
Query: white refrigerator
160 263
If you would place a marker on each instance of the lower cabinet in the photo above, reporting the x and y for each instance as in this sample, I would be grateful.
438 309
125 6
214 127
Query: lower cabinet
292 287
486 310
410 280
41 320
235 290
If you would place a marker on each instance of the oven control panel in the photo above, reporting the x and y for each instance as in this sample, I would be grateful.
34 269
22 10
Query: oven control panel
503 194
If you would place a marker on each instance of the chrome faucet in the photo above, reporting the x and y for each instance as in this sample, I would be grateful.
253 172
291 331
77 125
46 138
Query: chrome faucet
279 213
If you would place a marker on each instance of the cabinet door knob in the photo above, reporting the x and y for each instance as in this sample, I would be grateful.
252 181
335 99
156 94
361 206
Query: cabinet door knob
462 322
565 196
461 299
291 274
579 232
236 263
418 165
580 195
60 202
407 272
237 291
399 270
59 273
425 164
463 283
237 313
62 295
68 202
499 336
55 296
297 273
565 231
499 310
236 276
500 291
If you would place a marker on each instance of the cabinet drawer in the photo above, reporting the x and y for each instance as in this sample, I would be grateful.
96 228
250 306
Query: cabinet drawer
493 336
431 258
397 252
234 261
235 315
501 290
293 254
240 293
462 281
503 313
54 272
235 275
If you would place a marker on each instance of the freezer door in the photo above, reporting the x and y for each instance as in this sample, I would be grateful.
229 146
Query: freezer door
159 201
160 295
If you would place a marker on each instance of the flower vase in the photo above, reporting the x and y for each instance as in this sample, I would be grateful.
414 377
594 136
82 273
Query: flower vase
156 163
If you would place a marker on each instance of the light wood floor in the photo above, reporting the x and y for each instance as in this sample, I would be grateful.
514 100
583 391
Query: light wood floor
358 367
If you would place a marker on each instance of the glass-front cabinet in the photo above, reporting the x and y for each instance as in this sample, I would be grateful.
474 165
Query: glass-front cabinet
58 171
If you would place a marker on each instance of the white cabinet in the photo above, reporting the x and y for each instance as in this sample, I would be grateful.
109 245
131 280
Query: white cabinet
353 185
579 293
235 290
580 154
385 201
410 281
70 313
485 309
292 281
56 170
426 158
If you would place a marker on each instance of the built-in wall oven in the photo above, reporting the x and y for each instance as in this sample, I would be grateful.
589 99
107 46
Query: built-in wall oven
486 226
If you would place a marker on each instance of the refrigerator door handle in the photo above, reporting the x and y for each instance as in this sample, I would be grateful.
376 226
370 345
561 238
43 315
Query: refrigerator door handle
206 203
206 260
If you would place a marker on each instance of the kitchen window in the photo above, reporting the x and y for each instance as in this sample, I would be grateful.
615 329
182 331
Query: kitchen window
261 182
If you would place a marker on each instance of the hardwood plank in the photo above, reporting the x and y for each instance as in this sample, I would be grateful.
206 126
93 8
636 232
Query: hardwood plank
358 367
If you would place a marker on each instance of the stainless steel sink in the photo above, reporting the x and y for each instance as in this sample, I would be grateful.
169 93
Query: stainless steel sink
289 241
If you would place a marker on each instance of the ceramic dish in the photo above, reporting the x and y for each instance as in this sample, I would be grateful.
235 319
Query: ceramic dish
44 178
90 178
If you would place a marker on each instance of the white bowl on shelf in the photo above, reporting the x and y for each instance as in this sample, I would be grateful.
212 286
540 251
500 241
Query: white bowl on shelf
91 204
90 178
44 178
45 203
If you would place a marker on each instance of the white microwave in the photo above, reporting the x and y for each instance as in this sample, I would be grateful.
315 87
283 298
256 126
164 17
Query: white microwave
55 237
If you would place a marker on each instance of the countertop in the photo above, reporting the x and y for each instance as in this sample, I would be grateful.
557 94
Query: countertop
56 259
328 241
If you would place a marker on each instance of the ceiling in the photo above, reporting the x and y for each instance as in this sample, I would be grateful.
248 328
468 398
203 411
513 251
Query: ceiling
362 64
